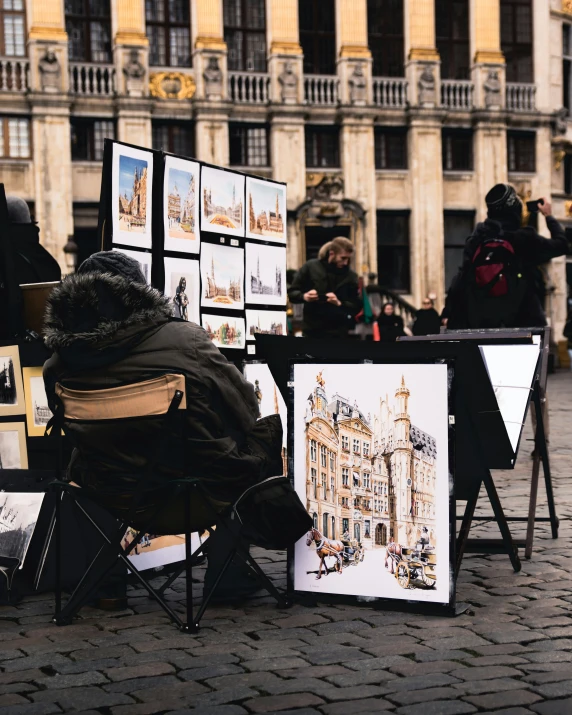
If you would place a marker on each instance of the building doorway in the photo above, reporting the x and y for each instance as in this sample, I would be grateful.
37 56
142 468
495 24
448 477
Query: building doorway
316 236
325 520
381 535
357 532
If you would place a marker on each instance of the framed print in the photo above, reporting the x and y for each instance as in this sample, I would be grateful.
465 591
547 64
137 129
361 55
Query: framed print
183 287
266 204
143 259
12 401
222 275
265 274
131 196
19 512
372 466
225 332
38 414
180 205
265 322
222 201
13 451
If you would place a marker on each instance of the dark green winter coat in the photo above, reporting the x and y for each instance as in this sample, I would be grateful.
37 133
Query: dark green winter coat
106 332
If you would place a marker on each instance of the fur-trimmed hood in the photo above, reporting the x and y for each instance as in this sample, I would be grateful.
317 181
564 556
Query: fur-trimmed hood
101 313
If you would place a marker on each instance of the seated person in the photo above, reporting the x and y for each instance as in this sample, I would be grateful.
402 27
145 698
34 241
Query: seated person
108 328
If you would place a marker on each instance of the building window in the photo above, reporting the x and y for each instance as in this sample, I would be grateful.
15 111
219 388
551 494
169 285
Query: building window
452 37
325 485
323 456
169 32
345 443
332 461
356 446
458 226
245 35
567 66
87 138
317 20
366 449
457 150
521 150
568 174
174 137
314 477
322 147
385 37
516 39
345 477
15 138
88 24
390 148
366 478
248 144
393 261
313 450
13 22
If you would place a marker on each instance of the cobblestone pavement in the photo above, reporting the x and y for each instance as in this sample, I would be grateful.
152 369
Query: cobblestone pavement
513 656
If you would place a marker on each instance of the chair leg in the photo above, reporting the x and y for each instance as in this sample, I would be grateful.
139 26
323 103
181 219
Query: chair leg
265 582
190 625
210 594
58 546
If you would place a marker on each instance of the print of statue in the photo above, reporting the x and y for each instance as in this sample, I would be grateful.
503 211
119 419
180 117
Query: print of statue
181 300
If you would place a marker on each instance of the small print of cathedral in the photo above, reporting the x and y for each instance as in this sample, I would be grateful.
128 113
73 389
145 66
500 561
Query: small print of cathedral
372 479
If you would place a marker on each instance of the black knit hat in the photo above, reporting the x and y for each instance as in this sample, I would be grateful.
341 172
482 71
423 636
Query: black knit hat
114 262
502 198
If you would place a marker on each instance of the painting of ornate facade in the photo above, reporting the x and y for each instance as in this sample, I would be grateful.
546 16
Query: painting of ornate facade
222 273
266 202
222 201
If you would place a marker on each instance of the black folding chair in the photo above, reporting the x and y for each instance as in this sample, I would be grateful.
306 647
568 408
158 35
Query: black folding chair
94 405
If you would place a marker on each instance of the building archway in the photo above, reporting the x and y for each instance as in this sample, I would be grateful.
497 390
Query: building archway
381 535
325 214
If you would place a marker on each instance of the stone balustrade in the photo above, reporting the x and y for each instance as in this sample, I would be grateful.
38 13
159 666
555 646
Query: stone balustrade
92 80
321 90
248 87
520 97
457 94
14 74
389 92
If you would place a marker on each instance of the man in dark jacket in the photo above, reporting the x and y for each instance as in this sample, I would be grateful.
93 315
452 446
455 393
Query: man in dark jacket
505 221
427 320
328 288
108 328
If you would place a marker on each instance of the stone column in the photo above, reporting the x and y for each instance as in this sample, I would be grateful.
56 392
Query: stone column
209 62
50 127
287 145
490 157
424 140
354 57
541 23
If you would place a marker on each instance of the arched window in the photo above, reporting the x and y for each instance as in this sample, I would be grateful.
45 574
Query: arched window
315 519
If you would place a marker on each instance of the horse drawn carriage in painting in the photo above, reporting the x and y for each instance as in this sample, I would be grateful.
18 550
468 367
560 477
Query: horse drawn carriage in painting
347 552
413 567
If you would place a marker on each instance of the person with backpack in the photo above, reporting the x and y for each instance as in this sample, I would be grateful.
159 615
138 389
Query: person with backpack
496 285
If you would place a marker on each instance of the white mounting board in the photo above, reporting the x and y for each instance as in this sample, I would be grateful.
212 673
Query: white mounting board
511 370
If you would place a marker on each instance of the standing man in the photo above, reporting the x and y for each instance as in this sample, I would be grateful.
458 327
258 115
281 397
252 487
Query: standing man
328 288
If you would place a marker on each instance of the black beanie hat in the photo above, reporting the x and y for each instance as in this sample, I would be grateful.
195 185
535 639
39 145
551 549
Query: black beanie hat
502 198
114 262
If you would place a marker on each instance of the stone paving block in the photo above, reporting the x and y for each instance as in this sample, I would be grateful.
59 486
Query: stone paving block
315 671
273 663
178 691
420 682
210 671
128 686
72 681
353 693
12 699
245 679
498 700
36 661
436 666
371 705
428 655
509 711
136 671
297 685
343 627
21 675
336 654
556 707
554 690
362 677
385 661
406 697
489 660
76 699
34 709
274 703
477 687
438 707
224 696
224 710
485 673
91 653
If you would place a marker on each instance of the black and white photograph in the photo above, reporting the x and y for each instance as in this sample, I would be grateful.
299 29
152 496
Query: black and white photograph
13 450
222 276
183 287
222 197
12 401
265 322
180 205
38 413
265 274
266 205
131 196
18 516
143 259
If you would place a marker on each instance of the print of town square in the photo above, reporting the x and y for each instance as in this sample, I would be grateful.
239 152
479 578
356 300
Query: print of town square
181 204
371 466
132 194
222 201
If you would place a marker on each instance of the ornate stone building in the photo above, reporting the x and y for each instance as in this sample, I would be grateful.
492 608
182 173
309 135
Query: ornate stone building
388 119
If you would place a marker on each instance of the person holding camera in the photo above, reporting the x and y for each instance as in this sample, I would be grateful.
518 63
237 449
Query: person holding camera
497 285
328 288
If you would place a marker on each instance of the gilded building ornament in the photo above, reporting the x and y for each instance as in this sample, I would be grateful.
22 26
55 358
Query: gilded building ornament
172 85
558 155
568 208
567 6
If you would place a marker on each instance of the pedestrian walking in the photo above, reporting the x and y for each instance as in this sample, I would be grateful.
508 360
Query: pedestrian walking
328 289
390 325
427 320
497 285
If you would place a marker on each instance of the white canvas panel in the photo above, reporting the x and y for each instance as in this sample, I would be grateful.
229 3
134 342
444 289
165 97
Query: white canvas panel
265 322
222 201
511 370
390 476
159 551
266 210
222 277
131 196
183 287
265 274
18 516
269 397
181 205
